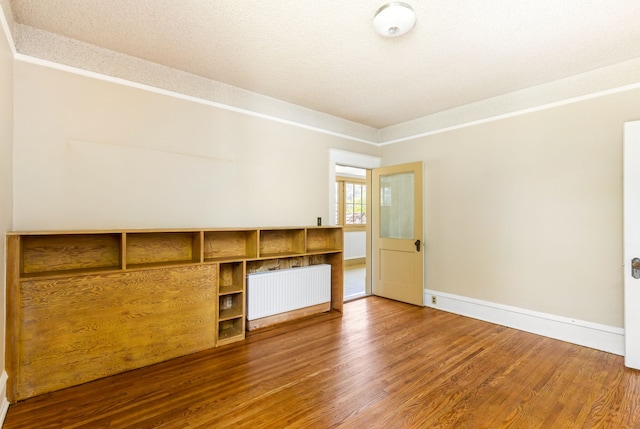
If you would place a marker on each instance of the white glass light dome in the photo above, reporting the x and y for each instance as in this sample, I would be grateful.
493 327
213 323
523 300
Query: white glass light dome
394 19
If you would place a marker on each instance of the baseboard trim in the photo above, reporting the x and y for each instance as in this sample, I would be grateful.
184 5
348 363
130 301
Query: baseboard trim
354 261
593 335
4 403
265 322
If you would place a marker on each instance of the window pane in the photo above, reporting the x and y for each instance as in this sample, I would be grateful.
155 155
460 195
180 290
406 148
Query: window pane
396 206
354 203
348 192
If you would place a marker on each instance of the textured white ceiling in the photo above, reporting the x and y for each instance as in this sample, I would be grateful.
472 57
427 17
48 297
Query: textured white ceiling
325 55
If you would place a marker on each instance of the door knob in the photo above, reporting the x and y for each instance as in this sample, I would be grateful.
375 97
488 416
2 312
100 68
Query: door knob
417 243
635 268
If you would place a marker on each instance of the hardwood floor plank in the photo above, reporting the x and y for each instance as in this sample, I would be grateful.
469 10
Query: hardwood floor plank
383 364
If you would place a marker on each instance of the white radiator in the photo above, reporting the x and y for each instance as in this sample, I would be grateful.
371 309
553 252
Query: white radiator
279 291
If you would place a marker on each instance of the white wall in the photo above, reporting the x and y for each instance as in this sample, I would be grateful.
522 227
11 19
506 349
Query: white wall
527 211
6 174
103 155
355 245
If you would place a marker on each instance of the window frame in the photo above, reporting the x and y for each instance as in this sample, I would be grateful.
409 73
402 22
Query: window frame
341 203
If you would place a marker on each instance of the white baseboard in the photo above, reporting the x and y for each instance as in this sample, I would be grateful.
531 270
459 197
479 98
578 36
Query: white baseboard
4 403
593 335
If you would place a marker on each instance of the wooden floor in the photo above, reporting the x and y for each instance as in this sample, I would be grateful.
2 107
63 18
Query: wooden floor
383 365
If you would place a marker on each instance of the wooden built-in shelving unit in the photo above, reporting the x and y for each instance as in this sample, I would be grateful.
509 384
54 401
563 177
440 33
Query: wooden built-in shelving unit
82 305
231 302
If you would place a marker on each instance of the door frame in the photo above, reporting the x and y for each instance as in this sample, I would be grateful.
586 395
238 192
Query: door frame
631 239
352 159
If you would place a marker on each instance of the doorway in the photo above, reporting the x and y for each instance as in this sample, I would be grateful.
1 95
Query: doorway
371 164
351 211
366 163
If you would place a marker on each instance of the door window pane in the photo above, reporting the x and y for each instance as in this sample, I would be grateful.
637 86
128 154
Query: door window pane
396 206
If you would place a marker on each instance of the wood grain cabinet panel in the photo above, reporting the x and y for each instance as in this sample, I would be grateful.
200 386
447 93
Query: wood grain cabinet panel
78 329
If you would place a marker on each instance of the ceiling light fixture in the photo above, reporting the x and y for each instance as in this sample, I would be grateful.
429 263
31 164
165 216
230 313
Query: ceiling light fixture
394 19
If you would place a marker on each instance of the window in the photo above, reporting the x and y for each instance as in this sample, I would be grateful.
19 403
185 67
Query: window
355 203
351 202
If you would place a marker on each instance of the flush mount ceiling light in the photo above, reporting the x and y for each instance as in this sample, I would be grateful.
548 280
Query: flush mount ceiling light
394 19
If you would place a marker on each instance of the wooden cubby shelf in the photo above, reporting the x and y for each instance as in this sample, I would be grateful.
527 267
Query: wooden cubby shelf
229 330
232 313
68 254
324 240
230 245
177 291
231 278
157 249
277 243
231 302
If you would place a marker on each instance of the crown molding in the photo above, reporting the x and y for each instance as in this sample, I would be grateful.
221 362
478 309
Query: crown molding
7 23
50 50
54 51
596 83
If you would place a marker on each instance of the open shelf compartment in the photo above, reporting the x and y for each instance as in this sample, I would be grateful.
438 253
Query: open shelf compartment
231 278
228 245
281 242
69 253
324 239
149 249
230 306
230 331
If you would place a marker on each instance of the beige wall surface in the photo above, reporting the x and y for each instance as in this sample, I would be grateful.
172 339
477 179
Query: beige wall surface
95 154
6 165
527 211
524 211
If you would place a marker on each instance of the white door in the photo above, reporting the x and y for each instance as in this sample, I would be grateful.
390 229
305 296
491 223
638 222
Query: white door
632 244
397 233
